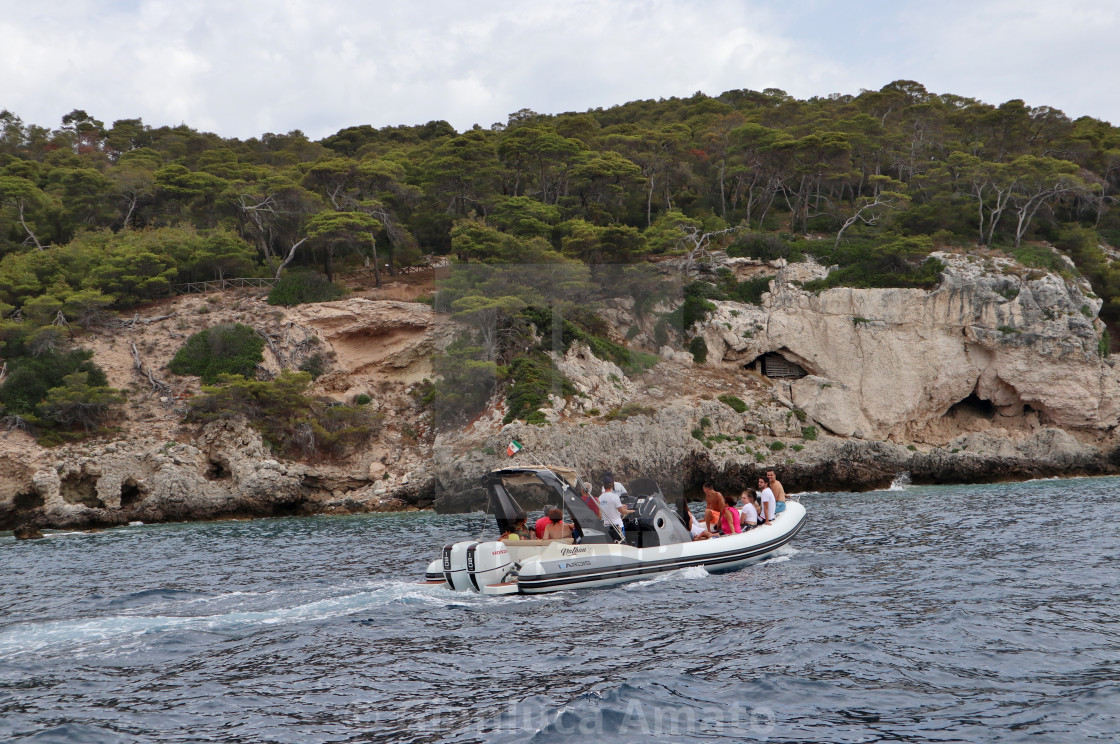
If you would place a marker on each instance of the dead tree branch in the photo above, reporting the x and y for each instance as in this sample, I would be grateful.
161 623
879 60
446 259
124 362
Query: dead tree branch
158 385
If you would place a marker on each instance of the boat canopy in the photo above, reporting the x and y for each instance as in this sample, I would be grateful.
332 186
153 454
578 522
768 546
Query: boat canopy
563 482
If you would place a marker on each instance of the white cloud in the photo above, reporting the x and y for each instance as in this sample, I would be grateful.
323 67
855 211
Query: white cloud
244 68
1058 54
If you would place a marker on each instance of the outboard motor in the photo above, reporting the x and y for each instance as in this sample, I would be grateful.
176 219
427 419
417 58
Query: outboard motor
488 563
455 565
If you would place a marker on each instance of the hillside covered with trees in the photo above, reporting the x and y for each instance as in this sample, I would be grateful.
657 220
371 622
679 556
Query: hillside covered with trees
97 218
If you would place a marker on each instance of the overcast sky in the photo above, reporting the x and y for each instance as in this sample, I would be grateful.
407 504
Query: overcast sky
245 67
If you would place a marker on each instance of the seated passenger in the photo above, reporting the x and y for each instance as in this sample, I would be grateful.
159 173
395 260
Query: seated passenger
766 500
591 503
748 511
520 530
557 528
715 507
541 524
729 517
696 529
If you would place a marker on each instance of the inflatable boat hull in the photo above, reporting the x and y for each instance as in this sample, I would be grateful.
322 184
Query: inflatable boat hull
559 567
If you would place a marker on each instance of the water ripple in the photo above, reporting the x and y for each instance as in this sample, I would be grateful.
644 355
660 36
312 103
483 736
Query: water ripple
916 614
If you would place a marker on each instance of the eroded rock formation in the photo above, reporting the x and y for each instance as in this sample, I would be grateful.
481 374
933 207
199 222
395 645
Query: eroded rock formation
892 363
996 374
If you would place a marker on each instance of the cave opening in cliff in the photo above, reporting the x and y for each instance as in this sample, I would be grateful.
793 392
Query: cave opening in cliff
28 501
130 493
218 470
288 509
773 364
972 406
81 489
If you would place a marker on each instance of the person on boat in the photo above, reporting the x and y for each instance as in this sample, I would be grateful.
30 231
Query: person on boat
748 510
729 517
778 490
557 528
616 486
541 524
612 509
520 530
589 500
696 528
714 501
766 497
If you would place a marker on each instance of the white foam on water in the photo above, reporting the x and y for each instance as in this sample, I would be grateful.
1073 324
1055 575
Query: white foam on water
900 483
781 555
118 629
691 573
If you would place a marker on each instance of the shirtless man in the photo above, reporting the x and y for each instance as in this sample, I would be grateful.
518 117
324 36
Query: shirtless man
557 528
779 491
715 502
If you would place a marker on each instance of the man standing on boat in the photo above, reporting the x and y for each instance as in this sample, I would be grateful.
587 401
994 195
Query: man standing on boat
779 492
610 504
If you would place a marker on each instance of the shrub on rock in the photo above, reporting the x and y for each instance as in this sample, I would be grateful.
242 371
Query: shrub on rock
303 287
229 348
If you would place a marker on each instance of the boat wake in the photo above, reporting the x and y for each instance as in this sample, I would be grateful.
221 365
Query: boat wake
692 573
781 555
126 631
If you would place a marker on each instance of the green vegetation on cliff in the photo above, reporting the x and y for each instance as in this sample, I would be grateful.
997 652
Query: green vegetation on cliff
291 422
226 349
546 214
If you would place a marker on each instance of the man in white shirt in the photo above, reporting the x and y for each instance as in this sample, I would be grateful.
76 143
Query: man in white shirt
766 498
611 508
617 487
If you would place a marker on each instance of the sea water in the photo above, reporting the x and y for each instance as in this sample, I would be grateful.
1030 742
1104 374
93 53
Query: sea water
948 614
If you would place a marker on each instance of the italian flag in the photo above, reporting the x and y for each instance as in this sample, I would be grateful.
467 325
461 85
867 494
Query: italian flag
513 448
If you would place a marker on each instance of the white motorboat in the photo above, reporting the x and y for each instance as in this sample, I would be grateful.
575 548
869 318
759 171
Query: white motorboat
657 540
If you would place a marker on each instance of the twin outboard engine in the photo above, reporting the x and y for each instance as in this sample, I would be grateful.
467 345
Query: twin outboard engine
488 563
473 565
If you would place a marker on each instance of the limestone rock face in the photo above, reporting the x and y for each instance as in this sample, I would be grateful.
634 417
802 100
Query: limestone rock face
599 384
995 374
832 404
891 362
368 338
650 445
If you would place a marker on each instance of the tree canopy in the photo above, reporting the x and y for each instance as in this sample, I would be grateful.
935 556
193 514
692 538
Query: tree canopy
96 216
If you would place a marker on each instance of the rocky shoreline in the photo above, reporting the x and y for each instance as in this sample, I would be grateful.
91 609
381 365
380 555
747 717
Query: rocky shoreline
999 374
261 487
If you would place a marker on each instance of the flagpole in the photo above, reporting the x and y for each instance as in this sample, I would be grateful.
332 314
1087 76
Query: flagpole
522 448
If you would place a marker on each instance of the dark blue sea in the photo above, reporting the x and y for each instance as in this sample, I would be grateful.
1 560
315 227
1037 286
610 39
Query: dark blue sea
944 614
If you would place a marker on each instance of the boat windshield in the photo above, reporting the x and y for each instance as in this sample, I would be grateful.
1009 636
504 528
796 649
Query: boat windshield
562 482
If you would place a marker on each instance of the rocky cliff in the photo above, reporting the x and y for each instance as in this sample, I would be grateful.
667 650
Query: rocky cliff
995 374
160 469
892 363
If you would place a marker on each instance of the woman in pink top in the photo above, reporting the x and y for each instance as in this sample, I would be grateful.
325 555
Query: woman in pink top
729 518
